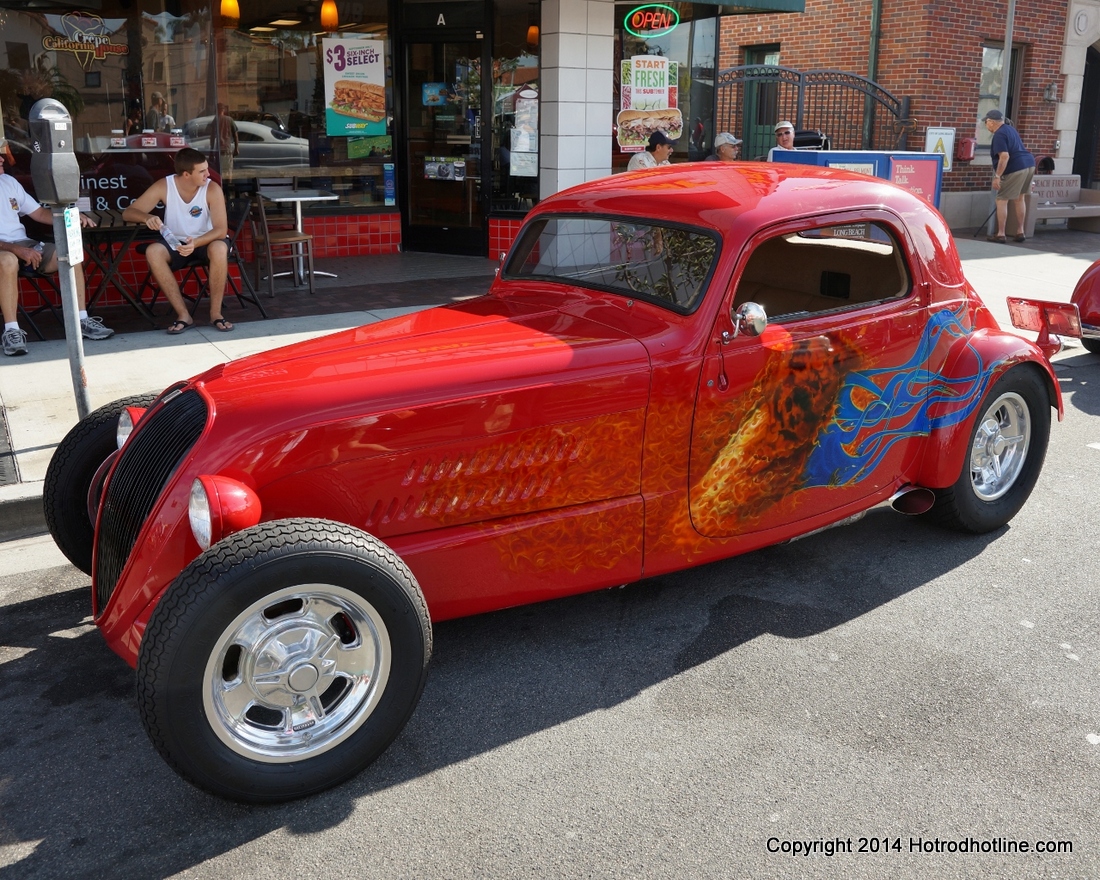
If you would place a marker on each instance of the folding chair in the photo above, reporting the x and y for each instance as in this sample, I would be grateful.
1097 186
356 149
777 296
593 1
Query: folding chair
237 213
279 244
50 299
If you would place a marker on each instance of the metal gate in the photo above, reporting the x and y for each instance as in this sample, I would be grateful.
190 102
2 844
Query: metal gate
853 112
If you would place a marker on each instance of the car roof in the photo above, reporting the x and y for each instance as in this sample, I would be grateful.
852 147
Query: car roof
716 194
738 199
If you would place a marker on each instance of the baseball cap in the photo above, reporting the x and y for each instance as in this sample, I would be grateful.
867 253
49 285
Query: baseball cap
779 126
726 138
659 137
995 115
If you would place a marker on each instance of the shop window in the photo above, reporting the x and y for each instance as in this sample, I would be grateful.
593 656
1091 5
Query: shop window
515 117
270 77
994 81
677 94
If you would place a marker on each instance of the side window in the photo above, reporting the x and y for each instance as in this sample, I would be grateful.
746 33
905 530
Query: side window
824 270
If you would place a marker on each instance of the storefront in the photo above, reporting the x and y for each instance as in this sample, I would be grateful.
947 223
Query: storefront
437 124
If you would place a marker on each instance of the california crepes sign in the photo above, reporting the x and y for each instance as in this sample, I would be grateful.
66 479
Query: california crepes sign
648 96
86 36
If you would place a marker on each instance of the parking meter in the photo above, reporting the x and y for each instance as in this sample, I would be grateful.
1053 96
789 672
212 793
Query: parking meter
56 177
54 168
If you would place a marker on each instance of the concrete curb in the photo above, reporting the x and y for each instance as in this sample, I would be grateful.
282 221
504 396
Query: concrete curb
21 511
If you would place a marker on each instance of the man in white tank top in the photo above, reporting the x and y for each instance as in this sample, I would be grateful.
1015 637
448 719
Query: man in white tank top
194 228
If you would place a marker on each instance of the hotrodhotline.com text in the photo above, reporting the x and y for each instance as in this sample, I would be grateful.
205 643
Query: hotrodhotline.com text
823 846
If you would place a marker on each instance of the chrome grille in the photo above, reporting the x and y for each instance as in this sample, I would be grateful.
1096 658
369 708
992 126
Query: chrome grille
151 457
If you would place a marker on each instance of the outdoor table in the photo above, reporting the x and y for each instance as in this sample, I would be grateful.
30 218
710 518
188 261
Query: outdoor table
107 243
297 196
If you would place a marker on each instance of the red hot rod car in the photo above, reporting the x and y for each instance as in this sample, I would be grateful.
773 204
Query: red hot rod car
672 367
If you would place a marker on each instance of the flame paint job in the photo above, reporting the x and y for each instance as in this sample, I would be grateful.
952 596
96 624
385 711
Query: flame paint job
548 439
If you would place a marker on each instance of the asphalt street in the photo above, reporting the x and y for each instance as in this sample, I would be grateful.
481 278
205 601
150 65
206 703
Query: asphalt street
885 685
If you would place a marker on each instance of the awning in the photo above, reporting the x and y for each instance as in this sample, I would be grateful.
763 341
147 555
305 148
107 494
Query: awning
751 7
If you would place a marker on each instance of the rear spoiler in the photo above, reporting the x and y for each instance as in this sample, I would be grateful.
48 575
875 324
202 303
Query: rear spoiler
1049 319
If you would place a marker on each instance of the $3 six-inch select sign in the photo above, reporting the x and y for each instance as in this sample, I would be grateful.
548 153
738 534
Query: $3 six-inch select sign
651 21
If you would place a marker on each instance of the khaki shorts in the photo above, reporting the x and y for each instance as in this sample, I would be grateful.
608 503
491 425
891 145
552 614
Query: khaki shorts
1015 184
47 250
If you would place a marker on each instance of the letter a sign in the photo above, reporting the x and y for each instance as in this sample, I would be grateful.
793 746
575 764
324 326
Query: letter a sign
942 141
441 21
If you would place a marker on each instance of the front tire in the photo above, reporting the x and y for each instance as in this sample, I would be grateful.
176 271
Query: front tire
69 477
1092 345
283 660
1007 446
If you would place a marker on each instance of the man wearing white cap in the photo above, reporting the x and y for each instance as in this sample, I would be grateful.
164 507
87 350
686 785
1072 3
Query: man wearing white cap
727 148
784 135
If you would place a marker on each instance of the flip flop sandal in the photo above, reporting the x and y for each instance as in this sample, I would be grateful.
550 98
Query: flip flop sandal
178 327
222 325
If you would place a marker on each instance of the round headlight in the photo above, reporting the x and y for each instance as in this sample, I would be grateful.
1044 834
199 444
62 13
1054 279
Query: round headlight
198 511
125 427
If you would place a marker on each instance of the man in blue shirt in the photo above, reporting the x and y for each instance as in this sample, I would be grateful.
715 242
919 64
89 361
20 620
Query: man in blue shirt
1013 168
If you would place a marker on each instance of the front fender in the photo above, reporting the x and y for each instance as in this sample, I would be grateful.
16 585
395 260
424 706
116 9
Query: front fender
971 368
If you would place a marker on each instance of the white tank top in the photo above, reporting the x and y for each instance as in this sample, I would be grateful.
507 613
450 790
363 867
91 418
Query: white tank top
187 219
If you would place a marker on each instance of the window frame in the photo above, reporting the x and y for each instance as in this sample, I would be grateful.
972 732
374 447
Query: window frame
532 231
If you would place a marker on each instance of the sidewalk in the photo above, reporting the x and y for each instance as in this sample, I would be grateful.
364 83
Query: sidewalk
36 391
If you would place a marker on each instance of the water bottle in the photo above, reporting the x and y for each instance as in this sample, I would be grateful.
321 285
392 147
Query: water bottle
170 238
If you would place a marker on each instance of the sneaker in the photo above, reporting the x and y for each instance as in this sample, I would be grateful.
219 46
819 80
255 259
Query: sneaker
92 328
15 342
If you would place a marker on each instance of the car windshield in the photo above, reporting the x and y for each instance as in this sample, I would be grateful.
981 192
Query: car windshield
669 265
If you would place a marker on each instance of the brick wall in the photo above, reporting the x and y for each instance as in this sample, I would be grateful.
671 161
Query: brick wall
928 51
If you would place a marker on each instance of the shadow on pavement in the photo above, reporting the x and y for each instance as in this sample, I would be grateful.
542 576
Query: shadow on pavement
85 793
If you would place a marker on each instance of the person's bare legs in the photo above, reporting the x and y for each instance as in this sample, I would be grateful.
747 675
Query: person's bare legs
1002 216
9 286
1020 207
48 267
158 258
217 253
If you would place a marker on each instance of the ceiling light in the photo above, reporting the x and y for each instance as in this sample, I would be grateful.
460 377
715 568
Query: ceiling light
285 22
330 18
261 30
231 13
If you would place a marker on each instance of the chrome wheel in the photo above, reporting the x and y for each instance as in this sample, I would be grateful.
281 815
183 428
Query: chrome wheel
297 673
1000 446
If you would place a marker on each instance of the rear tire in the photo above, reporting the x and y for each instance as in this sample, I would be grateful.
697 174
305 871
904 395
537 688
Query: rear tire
69 476
1004 457
283 660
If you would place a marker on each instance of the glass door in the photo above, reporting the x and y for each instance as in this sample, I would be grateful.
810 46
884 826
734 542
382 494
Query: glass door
443 135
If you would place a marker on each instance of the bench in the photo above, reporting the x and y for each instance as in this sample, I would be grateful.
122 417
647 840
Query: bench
1057 197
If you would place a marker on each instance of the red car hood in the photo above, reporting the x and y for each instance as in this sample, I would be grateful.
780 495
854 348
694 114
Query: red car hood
423 378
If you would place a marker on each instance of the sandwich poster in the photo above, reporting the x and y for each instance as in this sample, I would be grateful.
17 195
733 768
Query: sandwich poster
648 96
355 87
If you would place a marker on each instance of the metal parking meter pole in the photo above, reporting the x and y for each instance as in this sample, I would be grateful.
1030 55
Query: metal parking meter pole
56 176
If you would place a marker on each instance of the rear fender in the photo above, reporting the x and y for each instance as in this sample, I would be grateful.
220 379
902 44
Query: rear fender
972 367
1086 295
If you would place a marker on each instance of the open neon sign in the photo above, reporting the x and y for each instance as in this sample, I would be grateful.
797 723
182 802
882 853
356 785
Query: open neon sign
651 20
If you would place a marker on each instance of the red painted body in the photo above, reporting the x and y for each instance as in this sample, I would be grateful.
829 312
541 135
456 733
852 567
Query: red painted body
548 439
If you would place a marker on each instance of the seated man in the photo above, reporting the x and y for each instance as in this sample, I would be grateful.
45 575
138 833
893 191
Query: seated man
194 214
16 249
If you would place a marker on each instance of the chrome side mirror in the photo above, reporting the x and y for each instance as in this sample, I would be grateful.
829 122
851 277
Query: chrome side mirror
750 319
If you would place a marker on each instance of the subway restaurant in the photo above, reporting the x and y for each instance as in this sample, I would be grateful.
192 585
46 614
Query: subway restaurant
436 124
